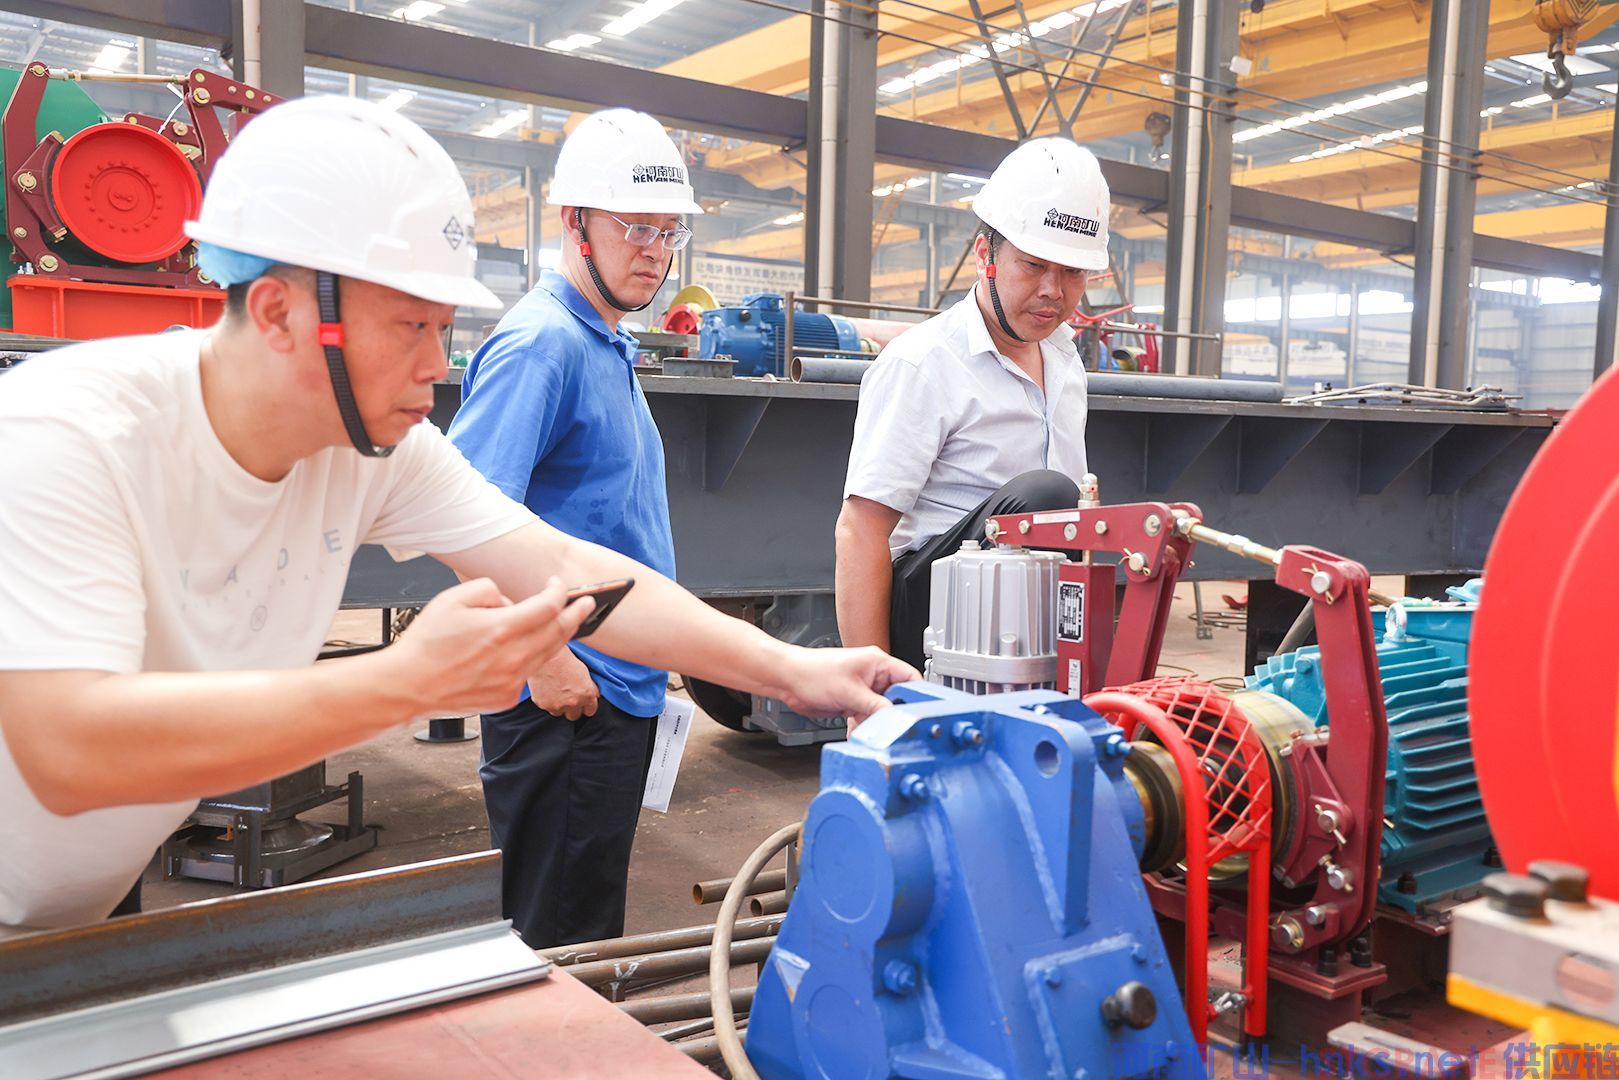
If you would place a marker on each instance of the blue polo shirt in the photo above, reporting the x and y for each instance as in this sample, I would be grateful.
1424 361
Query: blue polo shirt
552 414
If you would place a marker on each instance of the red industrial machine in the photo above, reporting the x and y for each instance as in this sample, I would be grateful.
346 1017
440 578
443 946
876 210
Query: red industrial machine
1262 789
96 217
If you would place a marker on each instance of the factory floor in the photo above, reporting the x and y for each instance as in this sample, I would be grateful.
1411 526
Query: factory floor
733 791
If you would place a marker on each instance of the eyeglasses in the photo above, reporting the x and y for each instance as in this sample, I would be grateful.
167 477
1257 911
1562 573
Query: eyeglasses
643 235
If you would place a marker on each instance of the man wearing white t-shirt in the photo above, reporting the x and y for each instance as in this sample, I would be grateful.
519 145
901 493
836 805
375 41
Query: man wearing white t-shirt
980 410
179 511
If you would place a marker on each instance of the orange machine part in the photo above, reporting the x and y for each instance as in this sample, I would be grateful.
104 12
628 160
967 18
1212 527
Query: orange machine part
125 192
81 310
1544 666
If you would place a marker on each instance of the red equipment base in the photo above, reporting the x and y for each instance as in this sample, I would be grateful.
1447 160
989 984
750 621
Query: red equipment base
83 310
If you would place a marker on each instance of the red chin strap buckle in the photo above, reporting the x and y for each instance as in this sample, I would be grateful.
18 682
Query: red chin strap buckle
331 335
584 248
989 271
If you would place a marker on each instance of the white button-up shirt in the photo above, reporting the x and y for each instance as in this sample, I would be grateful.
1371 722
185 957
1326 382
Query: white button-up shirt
944 420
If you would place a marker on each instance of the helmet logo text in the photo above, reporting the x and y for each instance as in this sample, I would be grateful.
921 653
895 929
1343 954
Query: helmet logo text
658 174
1085 226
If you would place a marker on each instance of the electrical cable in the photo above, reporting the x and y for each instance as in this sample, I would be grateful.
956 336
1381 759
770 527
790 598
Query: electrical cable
719 963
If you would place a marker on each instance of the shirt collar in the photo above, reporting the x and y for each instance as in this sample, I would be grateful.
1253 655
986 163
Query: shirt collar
979 341
559 286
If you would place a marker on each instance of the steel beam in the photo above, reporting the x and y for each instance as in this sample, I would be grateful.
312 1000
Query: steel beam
194 22
415 53
1447 193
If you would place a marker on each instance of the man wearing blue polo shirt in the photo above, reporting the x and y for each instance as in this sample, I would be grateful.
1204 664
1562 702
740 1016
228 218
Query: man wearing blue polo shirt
552 414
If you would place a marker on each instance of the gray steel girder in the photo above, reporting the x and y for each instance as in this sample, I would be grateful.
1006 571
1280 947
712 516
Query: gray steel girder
756 474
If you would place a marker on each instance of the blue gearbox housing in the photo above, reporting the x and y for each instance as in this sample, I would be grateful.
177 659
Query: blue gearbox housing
754 335
1436 842
971 905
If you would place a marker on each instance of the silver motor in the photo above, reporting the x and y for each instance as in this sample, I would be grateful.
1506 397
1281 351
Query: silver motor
992 620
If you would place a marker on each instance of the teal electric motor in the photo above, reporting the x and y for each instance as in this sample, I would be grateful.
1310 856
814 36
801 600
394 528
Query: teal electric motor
1436 842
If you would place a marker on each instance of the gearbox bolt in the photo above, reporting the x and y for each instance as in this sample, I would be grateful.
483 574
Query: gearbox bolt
967 733
899 977
914 787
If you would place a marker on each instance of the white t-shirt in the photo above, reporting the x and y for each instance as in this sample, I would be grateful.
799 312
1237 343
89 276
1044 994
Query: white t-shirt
134 542
944 420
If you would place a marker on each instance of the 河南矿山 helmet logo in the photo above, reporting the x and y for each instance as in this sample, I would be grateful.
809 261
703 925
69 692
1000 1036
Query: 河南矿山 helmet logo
1074 223
454 233
658 174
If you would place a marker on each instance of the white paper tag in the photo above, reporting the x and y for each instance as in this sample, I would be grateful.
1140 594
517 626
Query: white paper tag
668 746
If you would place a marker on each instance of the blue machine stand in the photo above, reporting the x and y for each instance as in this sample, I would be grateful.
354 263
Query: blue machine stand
971 905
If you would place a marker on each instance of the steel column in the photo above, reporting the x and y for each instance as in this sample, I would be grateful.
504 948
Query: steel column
1200 186
842 149
1608 306
269 45
1447 192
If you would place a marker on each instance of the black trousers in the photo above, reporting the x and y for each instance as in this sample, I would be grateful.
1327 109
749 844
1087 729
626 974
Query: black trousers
1041 489
563 799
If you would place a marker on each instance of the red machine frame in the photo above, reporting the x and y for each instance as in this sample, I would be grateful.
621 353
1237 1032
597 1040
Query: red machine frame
32 222
1342 827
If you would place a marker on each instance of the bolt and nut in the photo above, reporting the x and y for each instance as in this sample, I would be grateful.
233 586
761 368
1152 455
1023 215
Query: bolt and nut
899 977
914 787
967 733
1153 525
1287 934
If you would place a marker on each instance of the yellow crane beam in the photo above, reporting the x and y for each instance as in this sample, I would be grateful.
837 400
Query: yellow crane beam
1579 144
1299 49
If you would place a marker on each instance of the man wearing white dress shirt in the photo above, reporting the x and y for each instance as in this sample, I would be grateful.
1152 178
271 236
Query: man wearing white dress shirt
980 410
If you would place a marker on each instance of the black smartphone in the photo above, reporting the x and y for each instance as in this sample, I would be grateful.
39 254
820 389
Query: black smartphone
607 595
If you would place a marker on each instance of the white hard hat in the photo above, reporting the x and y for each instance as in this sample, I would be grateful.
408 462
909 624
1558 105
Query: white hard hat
343 185
1048 197
622 161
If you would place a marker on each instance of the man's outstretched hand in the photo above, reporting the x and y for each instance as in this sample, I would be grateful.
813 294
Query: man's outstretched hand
842 682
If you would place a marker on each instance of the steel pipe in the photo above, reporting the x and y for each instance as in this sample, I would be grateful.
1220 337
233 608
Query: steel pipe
672 1007
816 369
703 1051
810 369
712 892
662 941
1189 387
661 965
770 903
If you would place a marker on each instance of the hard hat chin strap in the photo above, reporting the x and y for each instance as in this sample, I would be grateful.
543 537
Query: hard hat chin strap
595 275
994 294
331 341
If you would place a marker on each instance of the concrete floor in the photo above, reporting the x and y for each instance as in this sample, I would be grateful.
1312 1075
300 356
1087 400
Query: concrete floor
733 791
